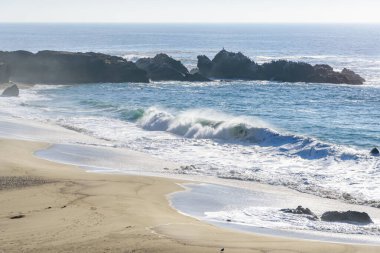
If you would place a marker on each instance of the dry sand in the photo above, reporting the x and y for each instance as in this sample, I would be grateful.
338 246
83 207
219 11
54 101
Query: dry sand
59 208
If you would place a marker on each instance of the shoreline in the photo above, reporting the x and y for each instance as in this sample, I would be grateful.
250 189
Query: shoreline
211 192
92 212
142 164
280 198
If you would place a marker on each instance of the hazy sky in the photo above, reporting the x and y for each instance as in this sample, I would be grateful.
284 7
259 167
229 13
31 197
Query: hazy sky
190 11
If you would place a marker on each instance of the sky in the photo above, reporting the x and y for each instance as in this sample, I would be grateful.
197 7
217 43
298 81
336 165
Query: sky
191 11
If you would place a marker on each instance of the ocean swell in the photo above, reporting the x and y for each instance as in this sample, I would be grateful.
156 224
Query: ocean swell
208 124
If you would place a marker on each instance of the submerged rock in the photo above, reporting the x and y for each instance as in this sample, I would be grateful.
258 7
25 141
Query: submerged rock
375 151
4 73
349 217
301 210
54 67
164 68
12 91
229 65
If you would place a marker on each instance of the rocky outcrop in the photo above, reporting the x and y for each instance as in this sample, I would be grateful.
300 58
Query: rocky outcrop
228 65
300 210
164 68
332 216
4 73
195 77
11 91
349 217
54 67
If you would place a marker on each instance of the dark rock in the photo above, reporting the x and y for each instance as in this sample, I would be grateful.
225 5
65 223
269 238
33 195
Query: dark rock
54 67
326 74
4 73
11 91
194 71
351 77
286 71
163 68
204 65
301 210
196 77
228 65
349 217
375 151
17 217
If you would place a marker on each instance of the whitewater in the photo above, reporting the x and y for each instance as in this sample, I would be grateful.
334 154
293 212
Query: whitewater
208 141
311 138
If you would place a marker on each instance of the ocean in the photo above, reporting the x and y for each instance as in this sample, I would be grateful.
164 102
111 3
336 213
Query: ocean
313 138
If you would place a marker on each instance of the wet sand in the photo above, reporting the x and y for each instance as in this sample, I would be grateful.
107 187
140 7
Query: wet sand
61 208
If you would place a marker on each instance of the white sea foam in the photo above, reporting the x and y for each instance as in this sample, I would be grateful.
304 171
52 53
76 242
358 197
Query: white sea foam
242 148
222 145
209 124
270 217
134 56
216 144
258 209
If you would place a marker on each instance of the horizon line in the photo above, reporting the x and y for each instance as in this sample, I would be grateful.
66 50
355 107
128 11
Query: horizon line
196 23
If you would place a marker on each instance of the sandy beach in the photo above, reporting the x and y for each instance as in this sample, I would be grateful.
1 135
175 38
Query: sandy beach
189 126
49 207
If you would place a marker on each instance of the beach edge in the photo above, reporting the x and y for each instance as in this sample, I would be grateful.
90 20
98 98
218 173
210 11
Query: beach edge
71 210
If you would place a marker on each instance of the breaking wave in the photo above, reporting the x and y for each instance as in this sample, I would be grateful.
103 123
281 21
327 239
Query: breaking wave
208 124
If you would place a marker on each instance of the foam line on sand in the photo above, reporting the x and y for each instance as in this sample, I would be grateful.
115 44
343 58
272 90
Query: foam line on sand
75 211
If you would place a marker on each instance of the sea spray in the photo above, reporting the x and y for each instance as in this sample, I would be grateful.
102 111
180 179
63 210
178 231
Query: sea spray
209 124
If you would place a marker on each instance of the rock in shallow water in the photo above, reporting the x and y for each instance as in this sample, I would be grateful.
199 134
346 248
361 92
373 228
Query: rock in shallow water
195 77
375 151
229 65
301 210
164 68
348 217
55 67
12 91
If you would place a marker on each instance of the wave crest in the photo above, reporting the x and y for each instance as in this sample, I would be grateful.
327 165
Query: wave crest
208 124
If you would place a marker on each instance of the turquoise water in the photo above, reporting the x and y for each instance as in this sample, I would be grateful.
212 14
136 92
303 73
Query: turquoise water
314 138
345 115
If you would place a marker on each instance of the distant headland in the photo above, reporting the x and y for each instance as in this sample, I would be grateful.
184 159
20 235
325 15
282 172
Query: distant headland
56 67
